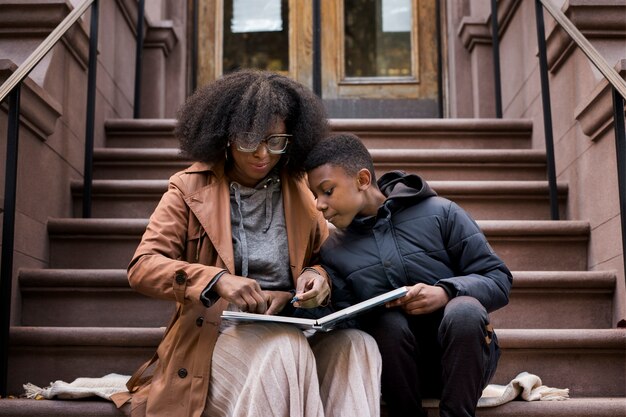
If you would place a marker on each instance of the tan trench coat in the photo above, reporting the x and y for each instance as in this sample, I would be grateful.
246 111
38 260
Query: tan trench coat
187 241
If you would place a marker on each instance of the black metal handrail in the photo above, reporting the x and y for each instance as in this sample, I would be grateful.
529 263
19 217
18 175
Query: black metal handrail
138 58
617 84
11 88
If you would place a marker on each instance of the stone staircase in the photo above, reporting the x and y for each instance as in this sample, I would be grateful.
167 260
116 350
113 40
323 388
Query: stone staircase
80 318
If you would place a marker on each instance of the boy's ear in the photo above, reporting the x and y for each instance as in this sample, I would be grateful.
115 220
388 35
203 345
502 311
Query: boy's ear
364 177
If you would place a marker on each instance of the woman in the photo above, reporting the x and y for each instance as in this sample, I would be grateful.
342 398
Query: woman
239 229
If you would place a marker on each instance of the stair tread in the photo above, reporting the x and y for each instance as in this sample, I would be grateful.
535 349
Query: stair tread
58 225
582 406
460 124
146 336
379 155
61 277
513 189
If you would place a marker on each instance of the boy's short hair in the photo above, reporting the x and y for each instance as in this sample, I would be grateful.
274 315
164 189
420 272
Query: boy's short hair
344 150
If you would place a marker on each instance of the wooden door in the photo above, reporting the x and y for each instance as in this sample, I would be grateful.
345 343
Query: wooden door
377 55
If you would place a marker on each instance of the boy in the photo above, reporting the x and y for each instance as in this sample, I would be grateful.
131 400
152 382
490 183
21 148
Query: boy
436 341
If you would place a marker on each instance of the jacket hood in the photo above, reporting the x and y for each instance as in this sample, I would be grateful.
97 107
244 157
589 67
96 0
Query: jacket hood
401 190
398 186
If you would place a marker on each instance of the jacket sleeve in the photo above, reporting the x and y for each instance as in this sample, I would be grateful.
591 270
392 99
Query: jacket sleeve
157 268
480 273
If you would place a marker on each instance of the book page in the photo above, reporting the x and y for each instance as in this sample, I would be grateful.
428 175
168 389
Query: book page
362 306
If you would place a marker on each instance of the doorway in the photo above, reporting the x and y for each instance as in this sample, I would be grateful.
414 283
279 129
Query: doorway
379 58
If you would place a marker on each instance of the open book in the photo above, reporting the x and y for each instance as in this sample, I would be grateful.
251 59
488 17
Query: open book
325 323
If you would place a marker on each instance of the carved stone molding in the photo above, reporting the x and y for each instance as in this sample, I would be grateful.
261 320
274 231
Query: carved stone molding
594 19
596 114
161 35
38 110
36 19
473 31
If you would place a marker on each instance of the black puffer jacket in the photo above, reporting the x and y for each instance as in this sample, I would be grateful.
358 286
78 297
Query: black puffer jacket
415 237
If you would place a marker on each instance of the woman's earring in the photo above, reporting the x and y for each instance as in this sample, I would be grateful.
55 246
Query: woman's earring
226 151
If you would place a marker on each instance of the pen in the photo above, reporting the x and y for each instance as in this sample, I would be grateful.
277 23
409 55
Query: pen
294 299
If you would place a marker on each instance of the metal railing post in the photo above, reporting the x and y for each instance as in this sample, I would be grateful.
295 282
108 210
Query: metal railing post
620 148
439 61
8 233
317 48
194 47
496 58
138 58
547 111
91 110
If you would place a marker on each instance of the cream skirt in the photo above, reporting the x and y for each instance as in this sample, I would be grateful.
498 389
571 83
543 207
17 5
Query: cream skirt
273 370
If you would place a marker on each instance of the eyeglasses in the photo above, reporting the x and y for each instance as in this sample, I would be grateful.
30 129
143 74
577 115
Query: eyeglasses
275 144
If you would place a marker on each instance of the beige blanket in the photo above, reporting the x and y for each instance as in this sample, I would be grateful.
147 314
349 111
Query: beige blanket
525 386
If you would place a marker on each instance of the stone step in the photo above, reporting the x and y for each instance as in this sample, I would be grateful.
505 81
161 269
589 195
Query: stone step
87 298
103 298
574 407
558 300
432 164
524 245
590 362
493 200
376 133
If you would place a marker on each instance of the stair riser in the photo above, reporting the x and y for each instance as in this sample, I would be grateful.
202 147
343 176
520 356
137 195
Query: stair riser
41 365
126 308
586 372
487 207
93 308
411 140
521 254
430 172
531 254
545 309
136 170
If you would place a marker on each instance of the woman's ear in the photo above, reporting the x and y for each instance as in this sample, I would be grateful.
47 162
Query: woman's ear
364 177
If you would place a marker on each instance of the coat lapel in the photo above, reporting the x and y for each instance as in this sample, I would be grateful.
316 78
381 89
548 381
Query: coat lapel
211 206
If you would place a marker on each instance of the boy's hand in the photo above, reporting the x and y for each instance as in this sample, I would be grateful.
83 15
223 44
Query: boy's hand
311 291
243 292
421 299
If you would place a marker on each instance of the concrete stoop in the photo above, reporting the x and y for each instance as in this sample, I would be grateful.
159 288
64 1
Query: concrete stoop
80 318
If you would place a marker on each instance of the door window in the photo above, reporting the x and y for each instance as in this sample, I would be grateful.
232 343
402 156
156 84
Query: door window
256 35
377 38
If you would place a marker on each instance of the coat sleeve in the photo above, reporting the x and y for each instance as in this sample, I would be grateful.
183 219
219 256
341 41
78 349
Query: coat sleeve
158 268
480 273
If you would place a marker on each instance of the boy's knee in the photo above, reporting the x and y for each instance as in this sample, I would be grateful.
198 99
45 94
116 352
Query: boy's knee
464 316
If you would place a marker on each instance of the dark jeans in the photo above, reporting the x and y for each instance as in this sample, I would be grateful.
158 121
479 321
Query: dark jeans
450 354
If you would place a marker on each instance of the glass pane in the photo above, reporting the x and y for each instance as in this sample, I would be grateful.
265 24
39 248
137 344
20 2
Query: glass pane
378 38
256 35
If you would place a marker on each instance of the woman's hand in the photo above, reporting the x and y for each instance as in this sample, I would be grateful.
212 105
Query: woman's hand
277 301
243 292
312 290
421 299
